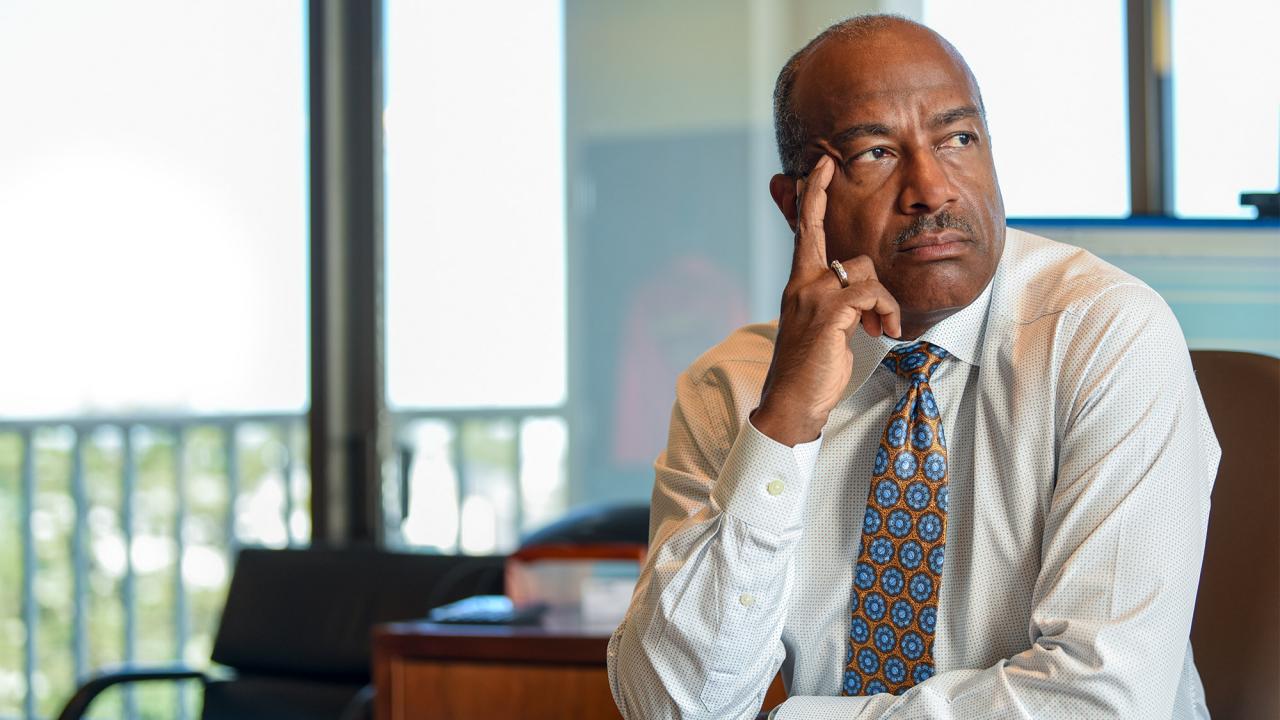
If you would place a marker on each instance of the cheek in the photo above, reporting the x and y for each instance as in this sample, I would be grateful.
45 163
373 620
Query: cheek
855 219
981 191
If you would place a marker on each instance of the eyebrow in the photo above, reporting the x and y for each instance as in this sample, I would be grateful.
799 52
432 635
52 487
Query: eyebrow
947 117
940 120
859 130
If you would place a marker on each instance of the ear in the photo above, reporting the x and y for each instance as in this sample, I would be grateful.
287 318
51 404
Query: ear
783 190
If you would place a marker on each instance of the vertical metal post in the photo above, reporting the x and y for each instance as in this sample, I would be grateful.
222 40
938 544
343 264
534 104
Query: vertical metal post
80 558
231 461
181 628
347 407
286 441
1149 103
517 465
460 475
129 482
29 614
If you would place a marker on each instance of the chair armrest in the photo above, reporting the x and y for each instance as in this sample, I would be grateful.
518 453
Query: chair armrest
79 703
361 705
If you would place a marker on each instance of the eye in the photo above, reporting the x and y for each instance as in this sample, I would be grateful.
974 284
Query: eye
960 139
872 155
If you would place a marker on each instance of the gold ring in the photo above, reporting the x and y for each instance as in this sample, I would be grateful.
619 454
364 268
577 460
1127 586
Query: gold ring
841 275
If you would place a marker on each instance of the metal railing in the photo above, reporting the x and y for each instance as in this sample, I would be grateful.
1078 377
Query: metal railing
125 527
513 459
111 509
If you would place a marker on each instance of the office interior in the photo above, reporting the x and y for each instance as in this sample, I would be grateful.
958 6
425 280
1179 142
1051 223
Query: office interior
335 309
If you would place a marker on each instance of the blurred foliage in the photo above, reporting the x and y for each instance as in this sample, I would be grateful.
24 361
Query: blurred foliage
168 468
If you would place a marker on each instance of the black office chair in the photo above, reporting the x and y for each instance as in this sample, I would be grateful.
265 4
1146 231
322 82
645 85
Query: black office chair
1235 634
295 632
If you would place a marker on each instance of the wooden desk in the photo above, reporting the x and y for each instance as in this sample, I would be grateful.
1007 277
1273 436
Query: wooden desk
475 672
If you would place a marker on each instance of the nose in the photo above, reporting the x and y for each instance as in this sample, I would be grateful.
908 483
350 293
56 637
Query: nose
926 185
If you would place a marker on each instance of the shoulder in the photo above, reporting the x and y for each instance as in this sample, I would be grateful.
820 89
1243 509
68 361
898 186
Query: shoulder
1059 313
743 352
1039 278
1069 324
723 385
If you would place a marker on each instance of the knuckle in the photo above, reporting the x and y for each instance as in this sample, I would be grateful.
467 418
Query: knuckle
807 295
862 287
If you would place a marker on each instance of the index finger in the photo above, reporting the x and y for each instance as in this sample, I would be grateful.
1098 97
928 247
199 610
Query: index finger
811 238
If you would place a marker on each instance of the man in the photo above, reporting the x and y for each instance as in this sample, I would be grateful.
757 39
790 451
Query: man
966 474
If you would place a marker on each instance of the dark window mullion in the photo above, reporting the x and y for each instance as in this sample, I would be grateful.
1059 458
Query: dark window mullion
347 405
1150 135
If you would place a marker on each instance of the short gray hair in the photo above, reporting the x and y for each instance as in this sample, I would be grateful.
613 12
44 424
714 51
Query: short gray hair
788 128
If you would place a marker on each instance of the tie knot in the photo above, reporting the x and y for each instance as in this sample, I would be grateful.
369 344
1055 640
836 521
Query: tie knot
916 361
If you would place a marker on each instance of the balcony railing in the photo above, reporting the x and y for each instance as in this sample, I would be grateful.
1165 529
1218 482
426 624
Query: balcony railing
472 480
117 533
125 527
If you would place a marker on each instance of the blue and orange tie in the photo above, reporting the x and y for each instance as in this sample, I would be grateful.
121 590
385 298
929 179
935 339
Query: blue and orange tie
904 532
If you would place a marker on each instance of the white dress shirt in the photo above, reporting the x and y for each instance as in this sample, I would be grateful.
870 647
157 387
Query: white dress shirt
1080 465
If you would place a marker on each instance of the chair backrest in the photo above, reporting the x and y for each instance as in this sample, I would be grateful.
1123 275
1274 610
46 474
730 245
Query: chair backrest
1235 633
309 613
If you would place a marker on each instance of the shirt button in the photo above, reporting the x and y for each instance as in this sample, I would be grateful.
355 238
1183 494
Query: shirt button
747 599
775 487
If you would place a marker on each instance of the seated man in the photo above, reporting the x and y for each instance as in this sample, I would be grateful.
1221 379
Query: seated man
967 472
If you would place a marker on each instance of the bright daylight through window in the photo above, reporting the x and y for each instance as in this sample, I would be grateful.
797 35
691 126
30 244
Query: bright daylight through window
1055 93
475 246
153 219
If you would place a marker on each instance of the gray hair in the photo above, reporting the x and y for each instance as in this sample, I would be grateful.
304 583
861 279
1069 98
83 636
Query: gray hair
788 128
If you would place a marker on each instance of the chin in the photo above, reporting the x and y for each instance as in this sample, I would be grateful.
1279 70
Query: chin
936 305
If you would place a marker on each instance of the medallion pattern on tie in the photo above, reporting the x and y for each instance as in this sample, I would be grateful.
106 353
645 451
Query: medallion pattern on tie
899 569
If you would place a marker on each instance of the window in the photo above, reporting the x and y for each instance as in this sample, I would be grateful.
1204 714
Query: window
1226 105
475 229
476 286
153 207
153 216
1052 76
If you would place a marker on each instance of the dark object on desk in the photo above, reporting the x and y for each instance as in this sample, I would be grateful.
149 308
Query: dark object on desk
1268 203
295 630
486 610
1235 633
606 531
596 525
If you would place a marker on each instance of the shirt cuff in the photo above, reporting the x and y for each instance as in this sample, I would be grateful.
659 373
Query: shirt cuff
808 708
764 483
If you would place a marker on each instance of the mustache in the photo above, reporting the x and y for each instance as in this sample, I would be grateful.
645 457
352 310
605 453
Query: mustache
942 220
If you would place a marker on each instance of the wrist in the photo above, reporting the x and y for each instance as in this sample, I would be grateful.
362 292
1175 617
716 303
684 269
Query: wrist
787 426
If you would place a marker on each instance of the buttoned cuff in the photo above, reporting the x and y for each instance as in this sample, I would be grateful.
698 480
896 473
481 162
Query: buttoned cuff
764 483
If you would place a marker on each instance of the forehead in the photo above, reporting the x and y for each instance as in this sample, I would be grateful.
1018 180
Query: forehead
883 74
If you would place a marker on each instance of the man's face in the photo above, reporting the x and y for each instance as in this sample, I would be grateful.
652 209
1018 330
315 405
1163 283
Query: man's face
914 187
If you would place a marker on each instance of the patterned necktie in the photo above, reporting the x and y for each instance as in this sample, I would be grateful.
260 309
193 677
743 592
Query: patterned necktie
899 570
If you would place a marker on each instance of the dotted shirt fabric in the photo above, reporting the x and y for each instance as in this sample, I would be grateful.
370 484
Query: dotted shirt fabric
1080 465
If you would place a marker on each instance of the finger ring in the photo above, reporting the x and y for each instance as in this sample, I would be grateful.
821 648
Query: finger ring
841 275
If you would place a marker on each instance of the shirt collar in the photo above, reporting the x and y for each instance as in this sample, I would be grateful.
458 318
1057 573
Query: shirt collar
960 334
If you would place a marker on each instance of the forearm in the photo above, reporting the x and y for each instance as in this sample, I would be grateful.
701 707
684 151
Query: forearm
704 644
702 638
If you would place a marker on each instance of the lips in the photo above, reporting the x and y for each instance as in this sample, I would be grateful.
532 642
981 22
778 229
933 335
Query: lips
935 245
931 239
